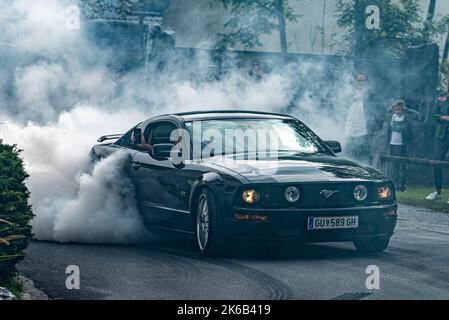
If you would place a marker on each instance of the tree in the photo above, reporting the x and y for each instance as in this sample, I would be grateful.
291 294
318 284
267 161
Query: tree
107 9
6 239
429 20
441 27
15 212
400 26
252 18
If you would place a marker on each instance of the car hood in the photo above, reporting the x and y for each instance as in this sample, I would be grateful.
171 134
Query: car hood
298 169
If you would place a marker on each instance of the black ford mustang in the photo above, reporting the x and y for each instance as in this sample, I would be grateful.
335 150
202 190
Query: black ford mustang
239 174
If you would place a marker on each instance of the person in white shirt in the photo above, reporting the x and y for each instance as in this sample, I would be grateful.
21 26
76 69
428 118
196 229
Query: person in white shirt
356 129
399 136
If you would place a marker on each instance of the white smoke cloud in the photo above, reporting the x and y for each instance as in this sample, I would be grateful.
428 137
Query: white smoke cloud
56 157
103 211
237 92
73 206
44 89
67 98
34 85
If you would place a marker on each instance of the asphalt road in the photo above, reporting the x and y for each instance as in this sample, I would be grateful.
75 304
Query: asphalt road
415 266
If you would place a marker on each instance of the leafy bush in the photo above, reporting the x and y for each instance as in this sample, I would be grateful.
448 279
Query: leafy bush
15 212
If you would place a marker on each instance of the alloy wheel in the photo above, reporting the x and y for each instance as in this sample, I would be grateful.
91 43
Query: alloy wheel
202 222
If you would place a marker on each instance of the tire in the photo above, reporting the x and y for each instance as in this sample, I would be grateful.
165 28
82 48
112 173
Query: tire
372 245
209 226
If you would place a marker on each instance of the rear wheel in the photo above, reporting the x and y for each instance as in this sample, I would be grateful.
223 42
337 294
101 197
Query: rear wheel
208 225
372 245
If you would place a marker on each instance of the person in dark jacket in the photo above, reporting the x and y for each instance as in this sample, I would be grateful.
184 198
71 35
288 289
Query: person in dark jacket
441 114
400 136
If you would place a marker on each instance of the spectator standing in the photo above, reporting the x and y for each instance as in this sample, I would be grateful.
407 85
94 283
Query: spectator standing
441 114
400 136
363 120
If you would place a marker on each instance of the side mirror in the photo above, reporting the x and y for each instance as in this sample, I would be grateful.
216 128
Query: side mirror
335 146
161 151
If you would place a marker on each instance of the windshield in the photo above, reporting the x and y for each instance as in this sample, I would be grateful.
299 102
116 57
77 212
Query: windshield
259 137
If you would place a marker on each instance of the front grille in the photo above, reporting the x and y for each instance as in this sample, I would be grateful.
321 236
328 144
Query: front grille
312 195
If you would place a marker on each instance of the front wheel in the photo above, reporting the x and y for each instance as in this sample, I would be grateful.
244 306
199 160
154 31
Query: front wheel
208 225
372 245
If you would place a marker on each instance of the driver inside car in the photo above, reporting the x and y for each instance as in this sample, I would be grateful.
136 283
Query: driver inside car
141 140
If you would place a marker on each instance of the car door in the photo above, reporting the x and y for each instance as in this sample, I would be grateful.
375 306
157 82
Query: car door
156 180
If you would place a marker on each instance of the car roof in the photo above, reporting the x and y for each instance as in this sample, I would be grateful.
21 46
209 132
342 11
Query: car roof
229 114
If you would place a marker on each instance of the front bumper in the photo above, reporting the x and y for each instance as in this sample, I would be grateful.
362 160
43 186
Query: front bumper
292 224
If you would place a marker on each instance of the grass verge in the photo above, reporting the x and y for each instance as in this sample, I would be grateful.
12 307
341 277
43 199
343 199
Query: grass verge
13 285
416 196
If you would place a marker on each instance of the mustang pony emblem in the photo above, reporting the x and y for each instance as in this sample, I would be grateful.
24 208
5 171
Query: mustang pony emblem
328 193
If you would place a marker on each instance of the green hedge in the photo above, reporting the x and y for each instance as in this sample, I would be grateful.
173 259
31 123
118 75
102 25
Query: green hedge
15 211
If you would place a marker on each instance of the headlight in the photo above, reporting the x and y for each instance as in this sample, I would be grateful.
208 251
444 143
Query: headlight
292 194
250 196
384 192
360 192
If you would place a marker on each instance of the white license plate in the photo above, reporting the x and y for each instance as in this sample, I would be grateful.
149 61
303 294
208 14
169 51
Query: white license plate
322 223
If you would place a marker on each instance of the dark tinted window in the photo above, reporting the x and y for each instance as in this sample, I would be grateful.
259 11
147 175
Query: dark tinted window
161 133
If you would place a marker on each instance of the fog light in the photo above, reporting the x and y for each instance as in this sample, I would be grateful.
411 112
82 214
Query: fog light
250 196
384 192
390 213
292 194
360 192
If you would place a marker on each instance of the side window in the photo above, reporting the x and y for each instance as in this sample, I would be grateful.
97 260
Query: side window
125 140
161 133
146 133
